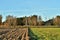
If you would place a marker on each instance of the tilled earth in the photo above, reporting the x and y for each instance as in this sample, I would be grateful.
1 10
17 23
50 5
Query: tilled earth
14 34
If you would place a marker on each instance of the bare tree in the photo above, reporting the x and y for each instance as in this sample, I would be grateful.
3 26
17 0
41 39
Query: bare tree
56 21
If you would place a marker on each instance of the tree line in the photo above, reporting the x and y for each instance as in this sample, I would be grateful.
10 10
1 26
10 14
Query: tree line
33 20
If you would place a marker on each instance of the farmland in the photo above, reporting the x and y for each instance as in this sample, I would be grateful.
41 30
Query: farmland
44 33
30 33
14 34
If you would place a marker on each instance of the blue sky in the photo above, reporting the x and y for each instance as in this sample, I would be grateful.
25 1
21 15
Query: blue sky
45 8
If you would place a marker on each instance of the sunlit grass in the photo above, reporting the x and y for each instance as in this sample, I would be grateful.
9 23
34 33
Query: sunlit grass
47 33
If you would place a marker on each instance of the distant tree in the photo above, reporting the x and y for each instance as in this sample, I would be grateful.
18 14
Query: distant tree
29 20
10 20
56 21
20 21
49 22
26 22
40 22
0 19
34 20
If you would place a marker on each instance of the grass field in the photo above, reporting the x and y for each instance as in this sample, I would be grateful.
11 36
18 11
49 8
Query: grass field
44 33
